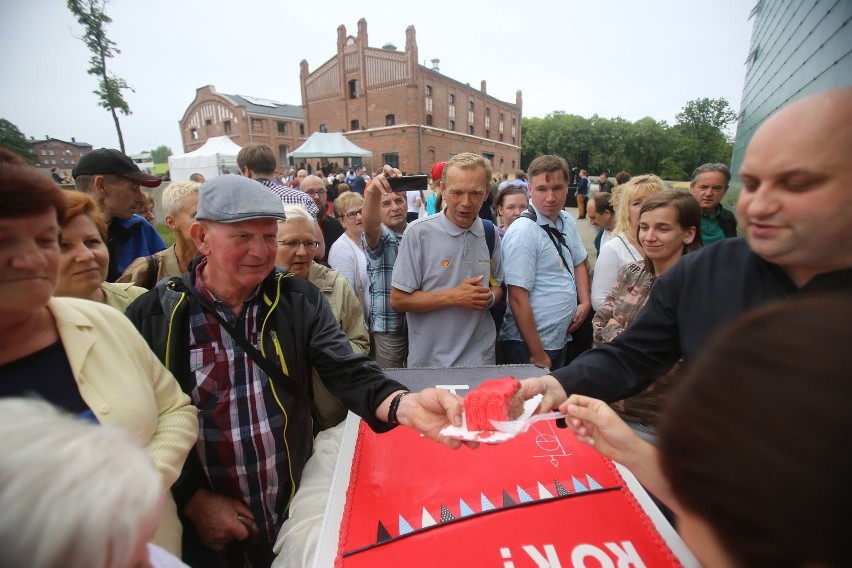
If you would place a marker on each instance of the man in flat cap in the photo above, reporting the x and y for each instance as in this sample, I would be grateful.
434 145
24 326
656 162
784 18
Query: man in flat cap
113 181
241 338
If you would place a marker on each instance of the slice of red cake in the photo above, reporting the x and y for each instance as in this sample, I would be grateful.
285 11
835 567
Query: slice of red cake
495 399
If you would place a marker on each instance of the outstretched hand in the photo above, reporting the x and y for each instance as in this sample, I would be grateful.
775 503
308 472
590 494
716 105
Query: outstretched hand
552 392
430 411
593 422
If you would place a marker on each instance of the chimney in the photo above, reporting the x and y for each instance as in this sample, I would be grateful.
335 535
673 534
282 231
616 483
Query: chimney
435 63
72 139
482 87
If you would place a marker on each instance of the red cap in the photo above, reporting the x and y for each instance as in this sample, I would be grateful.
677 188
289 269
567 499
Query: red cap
438 170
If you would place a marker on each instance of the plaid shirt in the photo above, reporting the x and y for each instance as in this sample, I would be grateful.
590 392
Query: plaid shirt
380 261
292 196
241 428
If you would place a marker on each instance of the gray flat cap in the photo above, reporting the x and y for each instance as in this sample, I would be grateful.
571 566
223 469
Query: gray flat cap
232 198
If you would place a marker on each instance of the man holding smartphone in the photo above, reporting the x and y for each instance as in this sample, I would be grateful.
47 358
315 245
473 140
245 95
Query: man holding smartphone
448 273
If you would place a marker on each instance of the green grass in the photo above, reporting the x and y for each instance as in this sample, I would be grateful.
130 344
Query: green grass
166 233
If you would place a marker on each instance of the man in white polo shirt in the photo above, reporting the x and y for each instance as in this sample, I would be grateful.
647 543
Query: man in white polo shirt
448 273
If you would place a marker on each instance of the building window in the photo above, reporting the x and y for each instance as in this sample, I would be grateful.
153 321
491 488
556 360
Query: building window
194 134
513 141
470 105
323 128
452 125
489 156
282 127
428 90
354 89
390 120
470 130
452 99
208 122
428 105
301 130
428 120
513 164
256 125
487 121
501 137
488 134
353 125
391 159
227 125
470 116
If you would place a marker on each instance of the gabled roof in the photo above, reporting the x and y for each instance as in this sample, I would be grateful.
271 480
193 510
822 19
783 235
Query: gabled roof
72 143
256 105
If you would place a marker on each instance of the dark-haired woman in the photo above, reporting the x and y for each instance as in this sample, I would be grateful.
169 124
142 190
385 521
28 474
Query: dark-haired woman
669 226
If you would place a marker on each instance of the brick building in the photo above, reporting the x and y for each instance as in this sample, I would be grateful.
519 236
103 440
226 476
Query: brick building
244 119
408 115
52 152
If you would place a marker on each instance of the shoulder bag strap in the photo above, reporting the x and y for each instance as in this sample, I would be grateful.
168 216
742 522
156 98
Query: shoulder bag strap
271 371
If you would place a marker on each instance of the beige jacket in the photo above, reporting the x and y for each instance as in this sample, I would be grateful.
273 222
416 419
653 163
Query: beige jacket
350 315
137 271
123 382
119 296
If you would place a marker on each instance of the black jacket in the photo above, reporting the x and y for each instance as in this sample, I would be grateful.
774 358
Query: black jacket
703 292
728 223
297 323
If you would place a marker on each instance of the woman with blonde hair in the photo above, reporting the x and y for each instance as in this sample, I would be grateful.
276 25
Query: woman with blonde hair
622 248
346 255
83 256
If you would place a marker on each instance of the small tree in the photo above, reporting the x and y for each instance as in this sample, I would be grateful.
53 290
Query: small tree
14 140
90 14
160 154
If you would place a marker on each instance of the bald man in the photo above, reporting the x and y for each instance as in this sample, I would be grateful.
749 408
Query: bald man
795 211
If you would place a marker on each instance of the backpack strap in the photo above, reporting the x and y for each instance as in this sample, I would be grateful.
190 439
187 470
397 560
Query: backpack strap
489 236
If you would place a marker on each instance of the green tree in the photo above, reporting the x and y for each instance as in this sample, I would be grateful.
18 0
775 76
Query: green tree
14 140
700 133
160 154
90 14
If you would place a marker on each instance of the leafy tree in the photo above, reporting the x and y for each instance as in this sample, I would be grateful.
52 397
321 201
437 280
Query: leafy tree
90 14
670 169
14 140
160 154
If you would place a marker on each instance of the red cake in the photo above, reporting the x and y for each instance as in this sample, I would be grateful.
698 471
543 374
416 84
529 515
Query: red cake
496 399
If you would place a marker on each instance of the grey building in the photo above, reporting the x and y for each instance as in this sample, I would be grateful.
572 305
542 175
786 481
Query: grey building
797 48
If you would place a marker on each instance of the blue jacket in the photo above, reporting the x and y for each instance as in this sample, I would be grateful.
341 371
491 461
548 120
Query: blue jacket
129 239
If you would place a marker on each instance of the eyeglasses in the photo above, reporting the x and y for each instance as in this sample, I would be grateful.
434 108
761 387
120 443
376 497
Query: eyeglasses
294 244
352 215
314 193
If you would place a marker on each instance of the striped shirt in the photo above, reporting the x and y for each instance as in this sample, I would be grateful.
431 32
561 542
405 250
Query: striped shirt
291 196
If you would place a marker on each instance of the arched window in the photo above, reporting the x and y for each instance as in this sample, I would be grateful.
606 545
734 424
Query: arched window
428 120
390 120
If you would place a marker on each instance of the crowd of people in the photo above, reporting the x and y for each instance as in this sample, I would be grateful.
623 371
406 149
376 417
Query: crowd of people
282 300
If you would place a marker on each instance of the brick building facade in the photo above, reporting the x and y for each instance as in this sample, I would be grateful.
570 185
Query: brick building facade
52 152
244 119
408 115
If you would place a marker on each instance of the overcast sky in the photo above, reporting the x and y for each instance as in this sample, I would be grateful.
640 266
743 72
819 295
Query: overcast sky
627 58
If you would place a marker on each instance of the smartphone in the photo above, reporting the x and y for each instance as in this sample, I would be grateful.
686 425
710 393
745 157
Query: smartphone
408 183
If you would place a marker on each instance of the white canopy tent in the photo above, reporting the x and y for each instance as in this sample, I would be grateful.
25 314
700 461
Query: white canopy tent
216 153
329 145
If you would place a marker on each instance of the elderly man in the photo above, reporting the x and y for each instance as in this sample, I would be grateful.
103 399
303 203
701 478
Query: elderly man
448 272
241 340
545 273
790 248
113 181
300 175
331 228
708 186
601 214
180 201
257 162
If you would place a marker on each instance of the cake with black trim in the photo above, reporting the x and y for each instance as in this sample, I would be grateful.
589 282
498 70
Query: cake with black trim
495 399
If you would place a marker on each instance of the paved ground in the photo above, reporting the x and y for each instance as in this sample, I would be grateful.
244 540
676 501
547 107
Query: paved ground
587 234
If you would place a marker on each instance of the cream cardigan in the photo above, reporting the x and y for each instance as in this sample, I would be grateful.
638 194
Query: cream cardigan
123 382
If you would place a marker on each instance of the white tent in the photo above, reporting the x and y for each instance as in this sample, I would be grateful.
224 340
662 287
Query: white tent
217 152
329 145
